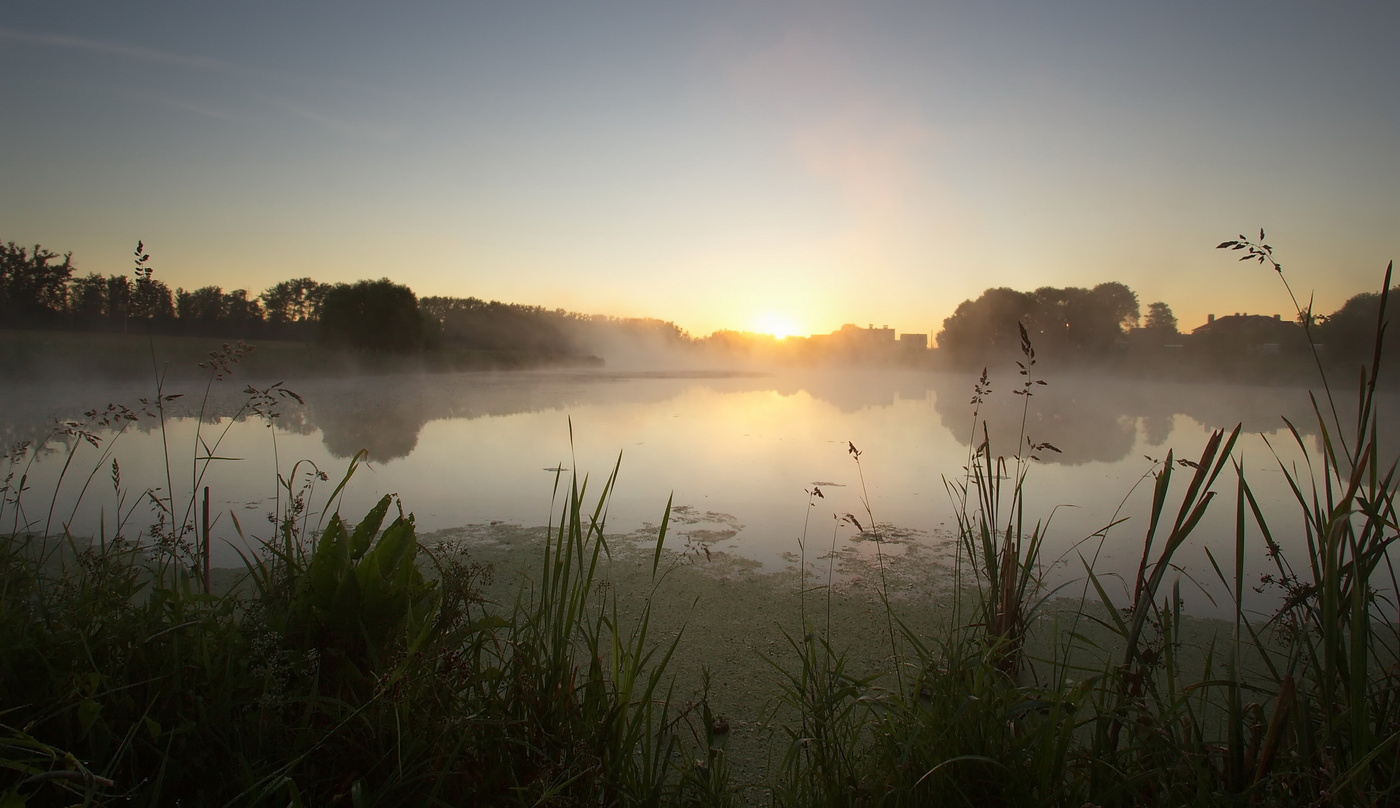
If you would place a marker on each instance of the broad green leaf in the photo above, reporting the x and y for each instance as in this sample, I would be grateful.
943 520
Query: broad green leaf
365 530
329 561
397 546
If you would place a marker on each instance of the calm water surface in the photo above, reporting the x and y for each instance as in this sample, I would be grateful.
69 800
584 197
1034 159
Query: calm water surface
737 453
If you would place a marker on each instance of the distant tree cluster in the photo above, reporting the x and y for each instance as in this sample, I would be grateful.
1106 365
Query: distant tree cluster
1065 322
494 326
39 289
1160 320
1350 331
374 315
1102 324
476 324
33 284
1348 335
294 301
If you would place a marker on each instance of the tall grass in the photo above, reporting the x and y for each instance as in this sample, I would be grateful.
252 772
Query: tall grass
351 663
1024 700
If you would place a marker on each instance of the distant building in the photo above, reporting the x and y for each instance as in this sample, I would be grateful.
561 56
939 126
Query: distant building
1251 333
853 336
871 343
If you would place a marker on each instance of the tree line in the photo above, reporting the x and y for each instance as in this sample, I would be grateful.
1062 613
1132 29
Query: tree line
1099 325
40 289
1105 325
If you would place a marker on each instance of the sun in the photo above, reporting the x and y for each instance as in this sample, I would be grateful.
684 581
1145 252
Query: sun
775 324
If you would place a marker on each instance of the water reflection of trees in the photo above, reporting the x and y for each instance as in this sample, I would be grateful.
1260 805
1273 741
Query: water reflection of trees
1091 419
380 414
31 414
1098 419
1083 423
385 417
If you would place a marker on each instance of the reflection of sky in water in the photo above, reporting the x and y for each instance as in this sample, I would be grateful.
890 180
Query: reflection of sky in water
737 453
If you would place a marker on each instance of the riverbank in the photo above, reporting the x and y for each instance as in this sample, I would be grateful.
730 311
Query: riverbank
764 670
736 624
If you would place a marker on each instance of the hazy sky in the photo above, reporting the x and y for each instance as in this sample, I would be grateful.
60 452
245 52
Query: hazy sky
720 165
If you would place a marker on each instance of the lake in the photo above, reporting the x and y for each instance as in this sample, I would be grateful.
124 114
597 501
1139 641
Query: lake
737 454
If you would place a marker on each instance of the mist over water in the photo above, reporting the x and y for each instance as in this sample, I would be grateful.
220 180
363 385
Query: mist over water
738 452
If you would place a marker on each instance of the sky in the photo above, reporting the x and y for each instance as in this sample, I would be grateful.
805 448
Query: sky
787 166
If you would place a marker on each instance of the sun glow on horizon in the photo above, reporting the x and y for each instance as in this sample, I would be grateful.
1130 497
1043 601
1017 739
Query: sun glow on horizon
776 324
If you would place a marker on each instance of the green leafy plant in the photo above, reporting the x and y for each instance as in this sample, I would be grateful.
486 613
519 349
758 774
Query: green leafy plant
361 599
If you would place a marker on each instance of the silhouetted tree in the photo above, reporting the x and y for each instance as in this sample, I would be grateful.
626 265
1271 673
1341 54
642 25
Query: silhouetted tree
203 305
986 325
118 299
1070 322
1160 319
1058 318
151 301
33 288
494 326
87 299
644 339
294 301
1349 333
379 315
240 310
1120 305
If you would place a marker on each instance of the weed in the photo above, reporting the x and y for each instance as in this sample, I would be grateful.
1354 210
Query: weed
1112 708
350 663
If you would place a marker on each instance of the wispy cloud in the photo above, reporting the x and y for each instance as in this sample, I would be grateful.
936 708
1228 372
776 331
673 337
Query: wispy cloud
198 109
349 129
341 127
130 52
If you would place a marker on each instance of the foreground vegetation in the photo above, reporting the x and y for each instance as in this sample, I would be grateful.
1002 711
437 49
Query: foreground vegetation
355 664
